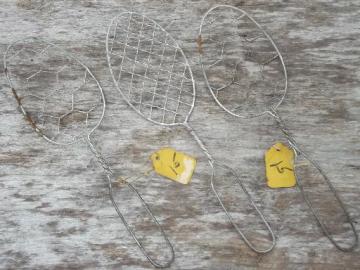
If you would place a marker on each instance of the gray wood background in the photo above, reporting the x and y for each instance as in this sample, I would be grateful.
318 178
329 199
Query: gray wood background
54 208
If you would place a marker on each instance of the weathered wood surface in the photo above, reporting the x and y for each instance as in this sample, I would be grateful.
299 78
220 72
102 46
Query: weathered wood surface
54 208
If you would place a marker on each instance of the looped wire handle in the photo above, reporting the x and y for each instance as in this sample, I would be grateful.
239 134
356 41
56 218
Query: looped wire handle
109 175
212 162
239 181
298 152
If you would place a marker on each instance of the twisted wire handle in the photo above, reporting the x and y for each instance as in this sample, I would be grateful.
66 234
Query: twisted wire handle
213 162
298 151
109 174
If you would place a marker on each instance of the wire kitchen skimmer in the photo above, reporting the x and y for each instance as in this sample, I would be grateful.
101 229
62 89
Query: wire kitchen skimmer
153 75
64 103
246 75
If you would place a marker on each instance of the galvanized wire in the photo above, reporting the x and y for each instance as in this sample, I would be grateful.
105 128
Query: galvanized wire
153 75
247 52
37 71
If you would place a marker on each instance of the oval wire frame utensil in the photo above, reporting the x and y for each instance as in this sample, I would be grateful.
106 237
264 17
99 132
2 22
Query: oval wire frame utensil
36 117
271 109
154 77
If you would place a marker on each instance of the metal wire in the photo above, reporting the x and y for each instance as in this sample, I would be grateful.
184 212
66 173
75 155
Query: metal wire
298 151
245 52
59 112
147 65
57 71
154 77
110 176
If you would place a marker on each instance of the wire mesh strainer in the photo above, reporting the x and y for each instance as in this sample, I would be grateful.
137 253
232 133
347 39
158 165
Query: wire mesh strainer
231 42
154 77
64 103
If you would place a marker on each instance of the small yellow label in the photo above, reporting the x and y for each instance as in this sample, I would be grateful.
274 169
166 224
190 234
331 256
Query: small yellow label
174 165
279 162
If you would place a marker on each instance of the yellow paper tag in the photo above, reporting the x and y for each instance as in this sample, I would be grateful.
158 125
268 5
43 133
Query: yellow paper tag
279 161
174 165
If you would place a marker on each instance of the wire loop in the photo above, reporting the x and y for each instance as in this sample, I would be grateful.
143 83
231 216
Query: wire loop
109 174
259 213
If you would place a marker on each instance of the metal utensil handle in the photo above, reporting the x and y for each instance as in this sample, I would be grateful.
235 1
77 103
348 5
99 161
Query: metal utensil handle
109 175
238 180
298 152
212 162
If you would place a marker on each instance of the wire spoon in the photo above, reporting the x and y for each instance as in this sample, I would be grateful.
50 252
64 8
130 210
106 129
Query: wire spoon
154 77
64 103
246 50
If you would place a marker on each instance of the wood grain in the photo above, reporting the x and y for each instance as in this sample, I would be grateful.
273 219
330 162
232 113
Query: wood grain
54 208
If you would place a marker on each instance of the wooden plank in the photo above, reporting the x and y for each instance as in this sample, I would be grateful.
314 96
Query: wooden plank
55 211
